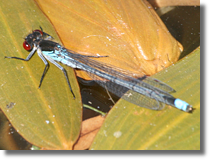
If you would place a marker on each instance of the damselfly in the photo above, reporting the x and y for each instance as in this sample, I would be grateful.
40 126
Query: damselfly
146 92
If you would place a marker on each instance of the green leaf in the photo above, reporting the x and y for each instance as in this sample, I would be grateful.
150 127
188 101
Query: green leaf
129 127
48 117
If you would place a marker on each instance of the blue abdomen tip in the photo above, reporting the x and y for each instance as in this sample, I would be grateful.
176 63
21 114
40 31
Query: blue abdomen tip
180 104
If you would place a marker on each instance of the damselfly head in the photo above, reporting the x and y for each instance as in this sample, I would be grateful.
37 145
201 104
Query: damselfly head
32 38
35 38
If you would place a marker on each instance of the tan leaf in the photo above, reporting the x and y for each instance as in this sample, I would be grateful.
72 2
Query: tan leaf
130 33
90 128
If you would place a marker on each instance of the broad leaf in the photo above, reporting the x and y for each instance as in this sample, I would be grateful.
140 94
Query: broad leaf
48 117
129 127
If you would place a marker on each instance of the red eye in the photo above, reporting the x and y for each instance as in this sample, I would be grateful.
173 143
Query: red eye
37 30
26 46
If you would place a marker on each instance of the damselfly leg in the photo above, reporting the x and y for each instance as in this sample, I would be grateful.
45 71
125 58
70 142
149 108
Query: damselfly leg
57 65
27 58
